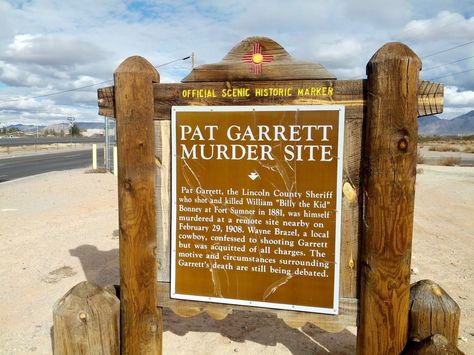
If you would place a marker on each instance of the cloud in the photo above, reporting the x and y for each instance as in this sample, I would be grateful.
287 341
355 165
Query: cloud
378 13
43 112
445 26
52 51
455 97
54 45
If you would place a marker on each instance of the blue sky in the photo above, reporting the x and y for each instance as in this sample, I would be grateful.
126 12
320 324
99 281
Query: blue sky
48 46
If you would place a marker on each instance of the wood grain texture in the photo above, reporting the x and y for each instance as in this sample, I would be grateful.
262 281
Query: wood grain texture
389 161
432 311
347 92
279 65
350 229
430 98
106 101
433 345
141 327
163 196
347 311
86 320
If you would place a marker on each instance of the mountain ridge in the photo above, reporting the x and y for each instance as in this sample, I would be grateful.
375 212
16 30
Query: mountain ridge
435 126
427 126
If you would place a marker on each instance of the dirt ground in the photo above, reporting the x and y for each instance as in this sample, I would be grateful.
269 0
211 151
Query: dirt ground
59 229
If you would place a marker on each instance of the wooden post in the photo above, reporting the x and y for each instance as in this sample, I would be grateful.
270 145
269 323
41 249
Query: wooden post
141 320
432 311
389 168
433 345
86 321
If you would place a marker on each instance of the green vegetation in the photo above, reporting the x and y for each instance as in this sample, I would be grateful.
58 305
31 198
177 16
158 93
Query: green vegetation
75 131
9 130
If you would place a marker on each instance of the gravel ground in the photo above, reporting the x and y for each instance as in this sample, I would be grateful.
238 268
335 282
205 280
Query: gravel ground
60 228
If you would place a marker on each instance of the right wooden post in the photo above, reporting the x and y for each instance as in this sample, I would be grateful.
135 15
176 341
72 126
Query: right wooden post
389 171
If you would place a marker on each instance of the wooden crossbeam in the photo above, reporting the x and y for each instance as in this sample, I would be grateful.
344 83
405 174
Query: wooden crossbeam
346 92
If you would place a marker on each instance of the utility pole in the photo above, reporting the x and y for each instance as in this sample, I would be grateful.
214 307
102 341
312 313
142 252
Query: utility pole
71 124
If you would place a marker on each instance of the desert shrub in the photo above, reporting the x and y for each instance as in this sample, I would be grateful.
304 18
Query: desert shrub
420 159
449 161
97 171
468 149
443 148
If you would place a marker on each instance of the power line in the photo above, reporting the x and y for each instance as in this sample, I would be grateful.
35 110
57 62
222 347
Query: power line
433 54
460 72
447 50
442 65
87 86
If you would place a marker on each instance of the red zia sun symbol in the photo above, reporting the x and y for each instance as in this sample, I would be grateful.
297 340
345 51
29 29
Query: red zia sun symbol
256 58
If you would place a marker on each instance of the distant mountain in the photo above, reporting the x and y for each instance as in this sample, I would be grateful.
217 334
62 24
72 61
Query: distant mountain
58 127
432 125
427 126
26 128
90 125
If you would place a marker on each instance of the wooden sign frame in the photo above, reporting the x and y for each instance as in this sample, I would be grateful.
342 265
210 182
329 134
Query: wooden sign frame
378 184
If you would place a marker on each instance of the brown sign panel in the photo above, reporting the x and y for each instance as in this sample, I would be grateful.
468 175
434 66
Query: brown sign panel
256 203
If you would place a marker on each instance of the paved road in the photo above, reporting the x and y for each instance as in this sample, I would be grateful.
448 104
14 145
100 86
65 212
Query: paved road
13 142
17 167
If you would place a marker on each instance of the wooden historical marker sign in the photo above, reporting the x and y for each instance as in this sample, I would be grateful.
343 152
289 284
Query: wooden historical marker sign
256 203
236 190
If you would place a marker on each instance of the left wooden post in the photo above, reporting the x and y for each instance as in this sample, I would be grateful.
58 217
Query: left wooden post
141 320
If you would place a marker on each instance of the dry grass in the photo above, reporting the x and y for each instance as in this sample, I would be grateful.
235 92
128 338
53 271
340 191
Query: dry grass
97 171
419 158
443 148
449 161
468 149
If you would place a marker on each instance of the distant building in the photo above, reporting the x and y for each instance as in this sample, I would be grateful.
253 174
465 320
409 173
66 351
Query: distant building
92 132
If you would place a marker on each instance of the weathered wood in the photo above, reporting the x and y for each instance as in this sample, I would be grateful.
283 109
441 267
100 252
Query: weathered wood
432 311
141 330
163 193
389 158
106 101
347 92
347 311
273 63
350 228
433 345
86 321
430 98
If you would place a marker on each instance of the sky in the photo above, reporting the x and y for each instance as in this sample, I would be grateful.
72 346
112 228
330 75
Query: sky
49 46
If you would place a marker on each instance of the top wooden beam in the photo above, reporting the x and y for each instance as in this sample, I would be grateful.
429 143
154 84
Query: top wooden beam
261 59
344 92
259 64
